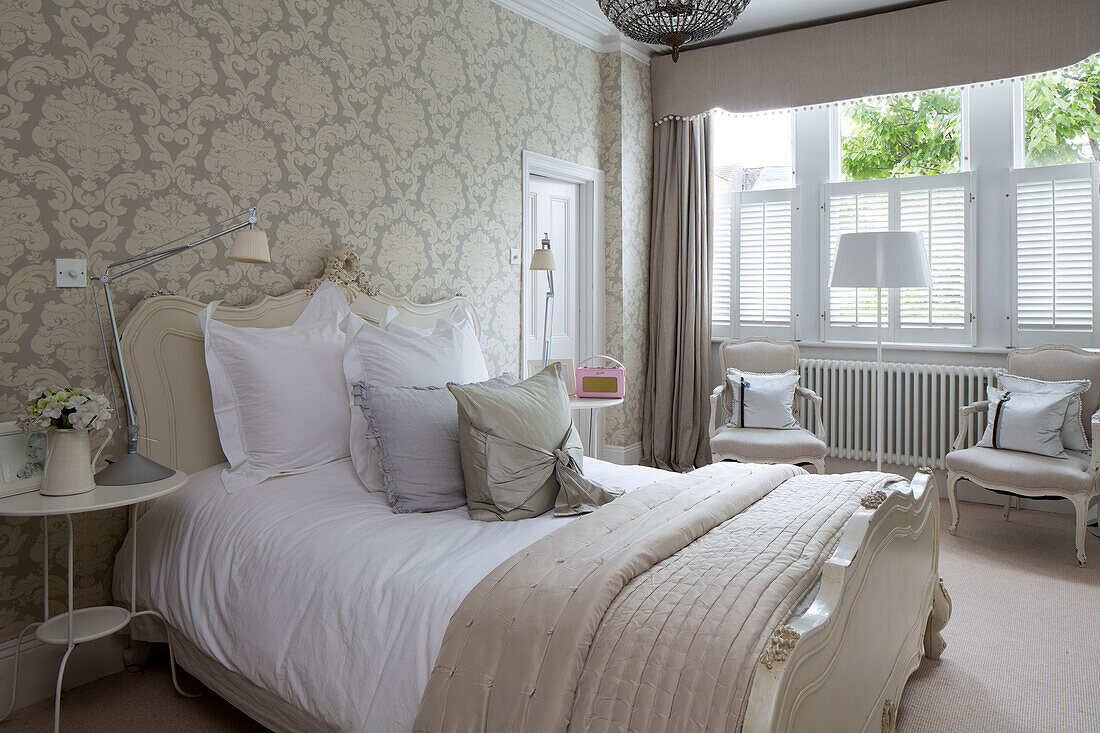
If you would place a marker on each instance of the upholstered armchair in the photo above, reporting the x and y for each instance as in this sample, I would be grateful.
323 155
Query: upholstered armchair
761 445
1026 474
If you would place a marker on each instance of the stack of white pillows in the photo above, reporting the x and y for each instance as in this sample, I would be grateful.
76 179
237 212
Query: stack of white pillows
283 396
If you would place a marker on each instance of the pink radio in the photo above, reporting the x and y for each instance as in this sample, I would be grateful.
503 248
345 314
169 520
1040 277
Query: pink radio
605 382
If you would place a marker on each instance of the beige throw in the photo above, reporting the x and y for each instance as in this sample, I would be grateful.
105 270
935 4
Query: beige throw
649 614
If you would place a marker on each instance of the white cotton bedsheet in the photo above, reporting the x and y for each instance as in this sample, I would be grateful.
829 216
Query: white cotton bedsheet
310 587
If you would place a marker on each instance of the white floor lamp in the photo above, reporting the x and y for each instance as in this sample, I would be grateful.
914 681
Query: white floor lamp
880 260
542 259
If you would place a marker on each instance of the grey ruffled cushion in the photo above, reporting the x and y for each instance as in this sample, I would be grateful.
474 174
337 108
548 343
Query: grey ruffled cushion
521 454
414 431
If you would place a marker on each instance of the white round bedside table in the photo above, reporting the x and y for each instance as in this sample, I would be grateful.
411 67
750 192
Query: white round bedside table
594 404
76 626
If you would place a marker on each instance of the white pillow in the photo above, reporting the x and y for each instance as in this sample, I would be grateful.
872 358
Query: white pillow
402 356
279 397
1074 436
461 313
762 400
1020 421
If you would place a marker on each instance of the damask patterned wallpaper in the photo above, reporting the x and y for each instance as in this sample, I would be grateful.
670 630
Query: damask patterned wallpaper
392 125
626 157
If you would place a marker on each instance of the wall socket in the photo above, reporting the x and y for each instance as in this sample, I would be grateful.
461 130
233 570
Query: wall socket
71 273
514 256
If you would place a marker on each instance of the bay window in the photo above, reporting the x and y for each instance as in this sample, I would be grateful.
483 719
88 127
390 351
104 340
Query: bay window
1023 156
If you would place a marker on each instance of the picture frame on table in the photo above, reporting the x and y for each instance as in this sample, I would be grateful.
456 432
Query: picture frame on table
534 366
22 458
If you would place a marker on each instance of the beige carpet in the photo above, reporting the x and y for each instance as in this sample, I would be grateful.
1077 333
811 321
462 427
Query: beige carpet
1023 650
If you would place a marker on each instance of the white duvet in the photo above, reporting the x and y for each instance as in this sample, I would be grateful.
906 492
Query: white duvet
310 587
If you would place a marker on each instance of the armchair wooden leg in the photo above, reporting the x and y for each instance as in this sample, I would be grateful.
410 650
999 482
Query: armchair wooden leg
1081 504
952 482
819 464
1008 506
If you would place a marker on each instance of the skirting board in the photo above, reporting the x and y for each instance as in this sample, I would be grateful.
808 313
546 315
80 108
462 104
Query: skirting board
624 456
38 664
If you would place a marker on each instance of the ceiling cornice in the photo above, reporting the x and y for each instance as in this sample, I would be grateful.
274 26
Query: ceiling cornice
588 28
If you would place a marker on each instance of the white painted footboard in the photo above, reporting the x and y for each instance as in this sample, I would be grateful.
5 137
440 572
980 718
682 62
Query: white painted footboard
841 666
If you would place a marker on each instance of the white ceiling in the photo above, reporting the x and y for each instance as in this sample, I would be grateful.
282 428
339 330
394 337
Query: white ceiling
583 18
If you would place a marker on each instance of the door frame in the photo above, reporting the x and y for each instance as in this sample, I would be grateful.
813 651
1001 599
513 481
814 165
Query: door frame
590 253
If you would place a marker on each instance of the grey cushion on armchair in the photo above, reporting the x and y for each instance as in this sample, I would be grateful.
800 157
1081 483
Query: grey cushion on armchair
764 444
1024 470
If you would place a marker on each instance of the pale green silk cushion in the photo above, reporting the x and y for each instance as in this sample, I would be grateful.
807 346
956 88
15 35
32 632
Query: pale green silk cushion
521 454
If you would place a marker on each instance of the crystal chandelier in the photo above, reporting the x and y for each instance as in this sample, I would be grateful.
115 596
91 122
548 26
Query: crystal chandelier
672 22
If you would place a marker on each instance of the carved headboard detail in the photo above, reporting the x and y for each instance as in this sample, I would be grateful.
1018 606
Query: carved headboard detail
163 353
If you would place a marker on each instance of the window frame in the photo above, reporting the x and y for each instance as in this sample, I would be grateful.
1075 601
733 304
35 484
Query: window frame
892 330
1038 336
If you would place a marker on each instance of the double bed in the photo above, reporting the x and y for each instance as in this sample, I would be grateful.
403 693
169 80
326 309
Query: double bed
309 605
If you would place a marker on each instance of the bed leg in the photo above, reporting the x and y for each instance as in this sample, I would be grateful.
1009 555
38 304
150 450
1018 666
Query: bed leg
136 655
937 620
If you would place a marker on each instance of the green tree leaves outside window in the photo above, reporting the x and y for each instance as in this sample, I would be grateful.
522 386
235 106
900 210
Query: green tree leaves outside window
902 136
1062 116
915 136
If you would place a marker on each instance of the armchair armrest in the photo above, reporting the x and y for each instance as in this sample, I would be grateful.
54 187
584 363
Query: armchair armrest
714 397
810 396
964 422
1094 464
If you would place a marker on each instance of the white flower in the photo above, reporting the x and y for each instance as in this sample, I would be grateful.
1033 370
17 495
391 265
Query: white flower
58 407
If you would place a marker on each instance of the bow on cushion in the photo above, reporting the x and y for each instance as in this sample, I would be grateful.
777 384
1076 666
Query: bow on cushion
516 471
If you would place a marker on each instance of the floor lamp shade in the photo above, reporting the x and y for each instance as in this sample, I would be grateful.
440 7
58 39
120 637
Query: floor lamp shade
881 260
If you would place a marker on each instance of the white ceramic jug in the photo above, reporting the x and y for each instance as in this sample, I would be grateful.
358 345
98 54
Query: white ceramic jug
70 465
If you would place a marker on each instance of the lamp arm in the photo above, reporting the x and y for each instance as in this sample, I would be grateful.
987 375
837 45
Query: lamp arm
138 262
157 250
132 426
547 319
154 257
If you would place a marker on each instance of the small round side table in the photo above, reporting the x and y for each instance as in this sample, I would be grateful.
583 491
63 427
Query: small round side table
594 405
77 626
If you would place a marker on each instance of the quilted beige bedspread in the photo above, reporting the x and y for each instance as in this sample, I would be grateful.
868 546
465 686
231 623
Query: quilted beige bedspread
649 614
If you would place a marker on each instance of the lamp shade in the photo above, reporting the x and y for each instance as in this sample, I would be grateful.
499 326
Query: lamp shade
542 259
250 245
881 260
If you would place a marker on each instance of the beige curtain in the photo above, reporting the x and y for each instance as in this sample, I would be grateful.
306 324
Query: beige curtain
676 399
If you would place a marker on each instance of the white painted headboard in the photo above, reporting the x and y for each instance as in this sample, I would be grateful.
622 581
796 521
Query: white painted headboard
162 350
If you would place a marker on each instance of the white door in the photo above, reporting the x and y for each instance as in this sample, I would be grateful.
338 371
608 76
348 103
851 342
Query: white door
552 211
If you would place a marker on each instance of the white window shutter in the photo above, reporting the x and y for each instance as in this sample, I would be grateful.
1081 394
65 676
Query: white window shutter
764 259
939 208
855 208
939 213
1055 253
721 269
